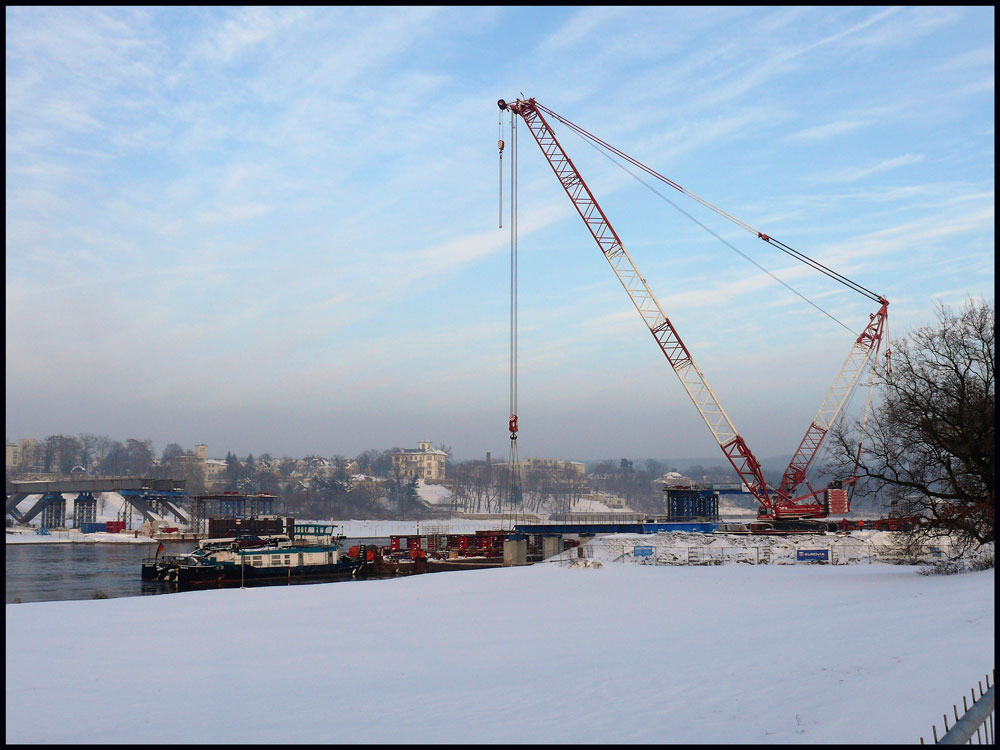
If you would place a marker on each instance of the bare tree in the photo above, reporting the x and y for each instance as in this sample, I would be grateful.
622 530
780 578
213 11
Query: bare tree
115 459
89 443
931 443
140 457
101 447
69 453
172 451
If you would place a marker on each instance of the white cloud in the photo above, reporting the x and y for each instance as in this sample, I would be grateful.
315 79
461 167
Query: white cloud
852 174
823 132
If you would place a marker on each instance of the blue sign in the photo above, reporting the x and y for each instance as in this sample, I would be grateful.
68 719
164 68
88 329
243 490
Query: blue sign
642 552
804 555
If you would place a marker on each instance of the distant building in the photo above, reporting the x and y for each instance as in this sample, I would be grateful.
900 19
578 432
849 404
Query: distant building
12 457
611 501
675 480
215 472
213 469
423 462
23 457
553 464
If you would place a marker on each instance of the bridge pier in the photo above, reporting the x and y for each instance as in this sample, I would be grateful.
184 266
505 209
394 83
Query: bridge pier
53 510
84 509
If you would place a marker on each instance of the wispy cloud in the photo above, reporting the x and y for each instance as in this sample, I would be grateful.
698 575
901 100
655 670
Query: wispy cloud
853 174
829 130
299 205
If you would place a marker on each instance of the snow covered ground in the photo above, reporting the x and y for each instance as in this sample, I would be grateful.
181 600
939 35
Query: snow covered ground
71 536
546 653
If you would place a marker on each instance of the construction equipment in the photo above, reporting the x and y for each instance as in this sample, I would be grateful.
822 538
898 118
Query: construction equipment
778 505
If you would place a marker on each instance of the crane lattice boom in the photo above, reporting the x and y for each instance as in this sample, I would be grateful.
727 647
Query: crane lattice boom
645 301
774 503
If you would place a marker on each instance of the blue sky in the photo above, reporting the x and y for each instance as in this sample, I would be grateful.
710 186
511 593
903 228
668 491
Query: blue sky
275 229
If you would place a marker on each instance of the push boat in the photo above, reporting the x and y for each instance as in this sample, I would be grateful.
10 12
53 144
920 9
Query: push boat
252 559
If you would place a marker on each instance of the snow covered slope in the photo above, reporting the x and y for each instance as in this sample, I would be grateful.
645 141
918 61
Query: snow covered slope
547 654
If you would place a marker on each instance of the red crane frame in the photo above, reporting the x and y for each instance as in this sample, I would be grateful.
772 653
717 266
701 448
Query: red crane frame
774 504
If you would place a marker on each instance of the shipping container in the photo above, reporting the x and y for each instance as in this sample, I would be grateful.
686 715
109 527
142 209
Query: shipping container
221 528
114 527
90 527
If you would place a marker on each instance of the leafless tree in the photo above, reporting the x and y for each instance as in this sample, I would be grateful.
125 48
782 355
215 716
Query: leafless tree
930 443
172 451
115 459
140 456
89 443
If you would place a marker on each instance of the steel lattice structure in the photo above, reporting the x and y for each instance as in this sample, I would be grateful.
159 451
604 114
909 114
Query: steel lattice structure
774 503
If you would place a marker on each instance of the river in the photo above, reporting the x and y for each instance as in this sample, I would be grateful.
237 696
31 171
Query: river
60 571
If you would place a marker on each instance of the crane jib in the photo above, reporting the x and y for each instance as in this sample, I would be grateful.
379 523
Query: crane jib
776 505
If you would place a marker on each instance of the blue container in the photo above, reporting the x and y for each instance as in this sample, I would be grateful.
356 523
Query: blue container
90 527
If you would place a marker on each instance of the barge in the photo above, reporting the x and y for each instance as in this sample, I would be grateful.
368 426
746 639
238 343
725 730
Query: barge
256 559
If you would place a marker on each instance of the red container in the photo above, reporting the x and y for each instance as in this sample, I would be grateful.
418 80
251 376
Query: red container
114 527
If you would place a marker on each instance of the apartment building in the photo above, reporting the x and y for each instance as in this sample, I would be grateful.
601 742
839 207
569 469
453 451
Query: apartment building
553 464
424 462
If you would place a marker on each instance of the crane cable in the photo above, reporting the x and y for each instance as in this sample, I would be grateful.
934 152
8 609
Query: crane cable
719 238
500 146
514 499
513 277
768 239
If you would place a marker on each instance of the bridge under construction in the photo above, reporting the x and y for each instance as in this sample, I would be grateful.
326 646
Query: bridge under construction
152 498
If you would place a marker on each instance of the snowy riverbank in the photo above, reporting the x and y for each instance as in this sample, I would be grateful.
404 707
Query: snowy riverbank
75 536
546 653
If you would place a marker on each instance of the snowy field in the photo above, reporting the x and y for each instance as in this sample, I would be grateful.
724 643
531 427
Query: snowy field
540 654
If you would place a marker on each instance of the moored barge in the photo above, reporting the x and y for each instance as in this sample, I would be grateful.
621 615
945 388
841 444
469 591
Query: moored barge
244 559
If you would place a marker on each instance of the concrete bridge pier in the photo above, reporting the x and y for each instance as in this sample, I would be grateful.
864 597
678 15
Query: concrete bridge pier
515 550
552 544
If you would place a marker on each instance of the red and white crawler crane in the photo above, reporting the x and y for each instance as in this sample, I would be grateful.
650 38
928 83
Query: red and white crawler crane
779 506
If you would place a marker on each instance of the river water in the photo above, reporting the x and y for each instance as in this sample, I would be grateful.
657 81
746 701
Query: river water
54 572
39 572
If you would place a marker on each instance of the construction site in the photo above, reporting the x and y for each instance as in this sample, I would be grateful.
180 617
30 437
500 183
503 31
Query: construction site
792 506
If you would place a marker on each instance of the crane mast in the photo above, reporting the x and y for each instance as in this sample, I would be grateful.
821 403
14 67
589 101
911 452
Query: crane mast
663 331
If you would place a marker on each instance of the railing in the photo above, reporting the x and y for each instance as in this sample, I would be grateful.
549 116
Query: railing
975 722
